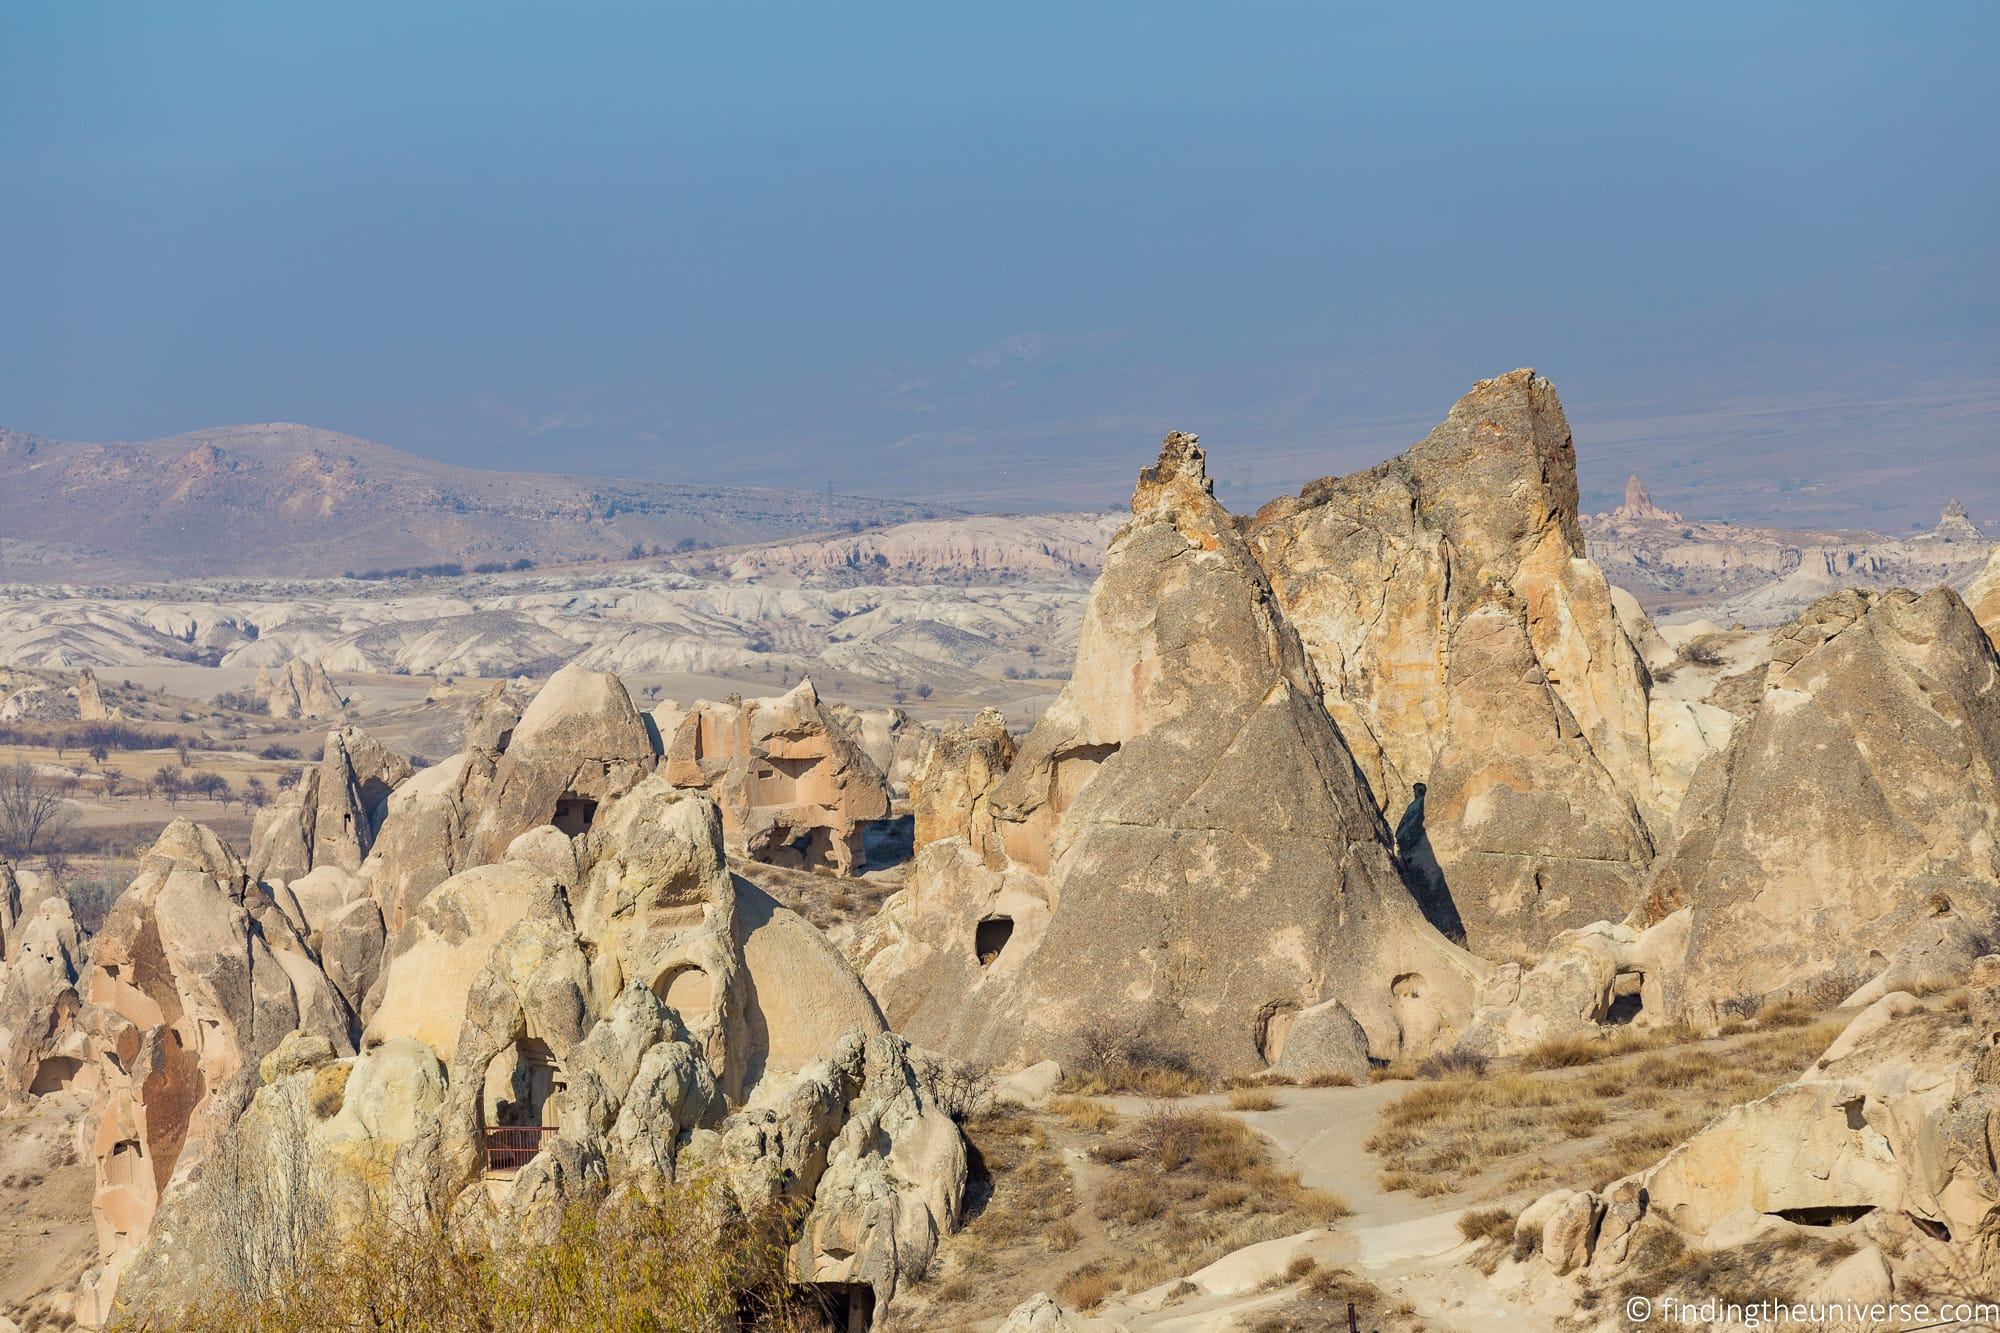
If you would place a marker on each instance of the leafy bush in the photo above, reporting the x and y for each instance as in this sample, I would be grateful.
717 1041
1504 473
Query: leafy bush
688 1262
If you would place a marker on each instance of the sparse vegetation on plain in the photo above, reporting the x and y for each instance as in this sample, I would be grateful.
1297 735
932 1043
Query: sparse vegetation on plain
1155 1195
1443 1136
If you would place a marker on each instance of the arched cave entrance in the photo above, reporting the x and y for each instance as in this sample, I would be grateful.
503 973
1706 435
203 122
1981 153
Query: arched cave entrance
518 1103
1627 999
687 990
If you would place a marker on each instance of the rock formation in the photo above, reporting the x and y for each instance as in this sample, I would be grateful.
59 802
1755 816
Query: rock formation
1639 506
89 699
606 1012
1762 576
426 831
332 814
1983 596
43 1048
1885 1143
1182 849
1600 975
1955 525
1854 821
301 690
794 787
579 744
956 769
195 977
890 737
390 990
1473 660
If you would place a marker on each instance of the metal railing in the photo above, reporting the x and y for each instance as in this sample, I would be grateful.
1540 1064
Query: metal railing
511 1147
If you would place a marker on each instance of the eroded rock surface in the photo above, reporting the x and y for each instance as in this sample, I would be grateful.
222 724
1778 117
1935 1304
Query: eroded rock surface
1182 847
1472 657
1884 1143
1855 817
609 1015
302 689
795 787
195 977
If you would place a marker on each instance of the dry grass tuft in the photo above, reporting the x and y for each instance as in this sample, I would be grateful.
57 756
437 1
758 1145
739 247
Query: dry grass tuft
1483 1224
1085 1289
1084 1115
1253 1099
1322 1304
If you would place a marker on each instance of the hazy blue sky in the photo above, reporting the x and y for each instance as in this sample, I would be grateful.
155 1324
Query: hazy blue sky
991 252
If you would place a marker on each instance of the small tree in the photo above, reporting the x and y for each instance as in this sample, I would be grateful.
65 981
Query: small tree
170 785
33 814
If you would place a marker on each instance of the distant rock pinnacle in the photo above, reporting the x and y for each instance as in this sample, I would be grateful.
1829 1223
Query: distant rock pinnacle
1639 506
1955 525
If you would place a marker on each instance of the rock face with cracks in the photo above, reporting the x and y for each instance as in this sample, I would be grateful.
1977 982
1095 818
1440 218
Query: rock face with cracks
1472 657
1853 824
956 769
1182 847
195 977
795 787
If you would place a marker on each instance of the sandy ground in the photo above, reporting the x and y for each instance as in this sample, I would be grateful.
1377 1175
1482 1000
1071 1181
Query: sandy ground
47 1237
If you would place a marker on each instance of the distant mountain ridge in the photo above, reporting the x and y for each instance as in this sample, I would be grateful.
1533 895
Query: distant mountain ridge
289 500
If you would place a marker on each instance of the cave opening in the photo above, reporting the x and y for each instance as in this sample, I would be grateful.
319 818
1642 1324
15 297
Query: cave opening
1825 1215
990 938
573 815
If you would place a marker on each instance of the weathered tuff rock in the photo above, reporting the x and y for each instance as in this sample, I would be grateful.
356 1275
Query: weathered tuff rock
1854 819
90 699
890 737
331 815
1474 662
794 786
1182 848
1322 1044
426 831
302 690
43 1048
1041 1313
1639 506
1983 596
1597 976
579 744
652 1014
957 768
194 978
1886 1142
